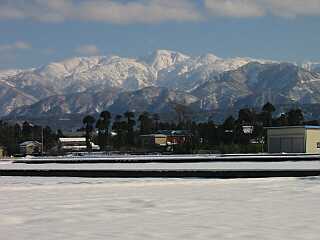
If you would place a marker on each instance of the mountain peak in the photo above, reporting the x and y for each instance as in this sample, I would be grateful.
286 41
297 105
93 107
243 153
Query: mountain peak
161 59
208 58
230 79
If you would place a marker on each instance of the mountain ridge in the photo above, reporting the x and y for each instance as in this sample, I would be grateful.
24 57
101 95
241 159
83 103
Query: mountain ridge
207 82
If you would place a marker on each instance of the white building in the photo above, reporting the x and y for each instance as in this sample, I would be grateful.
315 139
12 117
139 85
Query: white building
75 144
294 139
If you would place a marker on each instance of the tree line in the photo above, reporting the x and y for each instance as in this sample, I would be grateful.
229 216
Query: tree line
122 131
234 134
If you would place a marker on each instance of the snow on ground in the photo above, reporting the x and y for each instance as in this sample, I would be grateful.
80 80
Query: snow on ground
73 208
175 166
128 157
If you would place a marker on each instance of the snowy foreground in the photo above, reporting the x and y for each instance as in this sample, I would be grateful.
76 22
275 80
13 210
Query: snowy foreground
73 208
172 158
311 165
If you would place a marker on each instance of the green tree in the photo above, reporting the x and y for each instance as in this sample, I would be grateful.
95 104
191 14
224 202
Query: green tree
282 120
156 120
228 130
119 127
17 136
145 123
7 137
181 111
266 114
49 139
130 127
88 121
106 116
102 125
268 107
295 117
26 131
246 116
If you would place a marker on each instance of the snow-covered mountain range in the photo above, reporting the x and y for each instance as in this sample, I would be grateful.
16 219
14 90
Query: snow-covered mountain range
154 83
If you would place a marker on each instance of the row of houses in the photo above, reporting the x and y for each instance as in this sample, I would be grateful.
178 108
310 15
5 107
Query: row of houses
288 139
65 144
74 142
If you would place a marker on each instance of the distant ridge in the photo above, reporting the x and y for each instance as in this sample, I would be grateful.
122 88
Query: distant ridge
154 83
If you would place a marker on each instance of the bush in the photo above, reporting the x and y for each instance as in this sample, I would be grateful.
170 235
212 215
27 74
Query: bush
237 148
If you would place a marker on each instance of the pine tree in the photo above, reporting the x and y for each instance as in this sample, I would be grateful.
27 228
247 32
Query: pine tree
88 121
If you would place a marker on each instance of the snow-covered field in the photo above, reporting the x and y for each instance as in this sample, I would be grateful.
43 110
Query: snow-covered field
315 165
172 158
74 208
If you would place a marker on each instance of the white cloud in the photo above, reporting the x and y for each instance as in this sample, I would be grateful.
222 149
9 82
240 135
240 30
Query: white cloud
14 46
151 11
293 8
235 8
135 11
256 8
87 50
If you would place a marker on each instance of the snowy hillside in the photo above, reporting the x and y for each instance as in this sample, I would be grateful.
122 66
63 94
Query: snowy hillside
161 68
255 84
89 84
312 66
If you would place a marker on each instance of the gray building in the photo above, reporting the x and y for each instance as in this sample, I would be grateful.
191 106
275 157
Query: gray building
294 139
30 147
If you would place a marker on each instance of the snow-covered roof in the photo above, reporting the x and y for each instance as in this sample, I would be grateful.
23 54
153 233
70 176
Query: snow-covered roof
153 135
81 139
30 142
303 126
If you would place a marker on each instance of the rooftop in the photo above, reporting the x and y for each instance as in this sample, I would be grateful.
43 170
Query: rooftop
153 135
30 142
303 126
79 139
175 132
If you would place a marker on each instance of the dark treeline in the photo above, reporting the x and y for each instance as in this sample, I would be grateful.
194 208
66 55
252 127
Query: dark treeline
12 135
245 133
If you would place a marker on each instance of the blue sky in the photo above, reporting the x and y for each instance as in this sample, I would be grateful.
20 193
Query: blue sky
36 32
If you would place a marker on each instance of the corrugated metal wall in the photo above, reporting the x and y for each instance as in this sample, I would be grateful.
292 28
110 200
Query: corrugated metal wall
288 144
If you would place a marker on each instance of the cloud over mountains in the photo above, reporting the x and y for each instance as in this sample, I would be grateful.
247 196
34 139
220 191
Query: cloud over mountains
256 8
19 45
137 11
151 11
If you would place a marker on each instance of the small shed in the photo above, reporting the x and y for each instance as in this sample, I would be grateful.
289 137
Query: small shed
294 139
30 147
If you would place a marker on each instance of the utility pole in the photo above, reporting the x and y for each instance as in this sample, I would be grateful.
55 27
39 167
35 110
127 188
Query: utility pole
42 142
